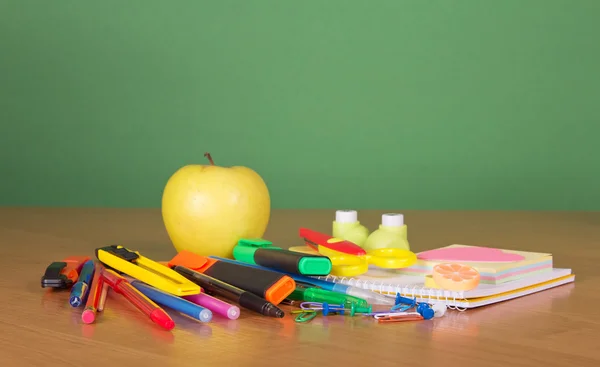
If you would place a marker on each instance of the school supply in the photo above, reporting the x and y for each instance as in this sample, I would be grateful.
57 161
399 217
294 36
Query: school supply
80 289
215 305
140 301
93 302
262 252
62 274
325 296
146 270
348 259
455 277
244 298
347 227
265 283
495 266
103 296
389 282
390 234
370 297
168 300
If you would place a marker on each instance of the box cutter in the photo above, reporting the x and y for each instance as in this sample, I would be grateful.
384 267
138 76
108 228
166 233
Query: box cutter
62 274
148 271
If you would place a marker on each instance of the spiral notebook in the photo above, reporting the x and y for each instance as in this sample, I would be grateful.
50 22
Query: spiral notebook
379 280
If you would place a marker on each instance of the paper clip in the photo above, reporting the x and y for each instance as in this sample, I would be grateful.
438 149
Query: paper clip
325 308
148 271
399 317
305 316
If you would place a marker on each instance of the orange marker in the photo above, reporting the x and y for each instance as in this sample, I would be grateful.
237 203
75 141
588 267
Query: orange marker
270 285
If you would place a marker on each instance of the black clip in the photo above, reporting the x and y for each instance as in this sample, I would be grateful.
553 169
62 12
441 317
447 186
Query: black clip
53 278
120 251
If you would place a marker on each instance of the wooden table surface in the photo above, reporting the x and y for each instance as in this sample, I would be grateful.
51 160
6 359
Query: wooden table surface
557 327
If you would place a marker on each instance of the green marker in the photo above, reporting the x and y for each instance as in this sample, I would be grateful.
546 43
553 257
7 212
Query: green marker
263 253
324 296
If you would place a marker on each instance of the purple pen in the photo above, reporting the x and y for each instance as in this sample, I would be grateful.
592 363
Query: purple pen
215 305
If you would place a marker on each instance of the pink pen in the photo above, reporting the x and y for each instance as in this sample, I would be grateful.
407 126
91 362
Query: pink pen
215 305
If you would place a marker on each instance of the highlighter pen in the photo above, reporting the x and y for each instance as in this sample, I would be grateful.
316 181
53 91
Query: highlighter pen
215 305
88 315
245 299
178 304
370 296
141 302
79 291
263 253
268 284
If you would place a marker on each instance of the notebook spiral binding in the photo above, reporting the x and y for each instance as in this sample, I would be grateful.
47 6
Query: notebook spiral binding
449 298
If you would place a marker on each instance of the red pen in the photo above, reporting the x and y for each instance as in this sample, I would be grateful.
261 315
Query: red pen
143 303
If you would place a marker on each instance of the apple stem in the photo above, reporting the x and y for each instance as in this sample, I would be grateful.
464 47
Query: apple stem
207 155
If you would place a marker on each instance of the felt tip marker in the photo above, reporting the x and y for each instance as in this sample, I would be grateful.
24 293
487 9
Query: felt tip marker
370 296
232 293
79 291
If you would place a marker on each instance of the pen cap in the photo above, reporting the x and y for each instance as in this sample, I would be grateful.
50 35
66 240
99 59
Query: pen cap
292 262
270 285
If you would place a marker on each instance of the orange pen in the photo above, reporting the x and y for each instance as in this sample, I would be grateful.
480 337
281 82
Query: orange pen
270 285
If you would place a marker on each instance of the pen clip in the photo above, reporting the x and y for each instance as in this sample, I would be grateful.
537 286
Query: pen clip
255 242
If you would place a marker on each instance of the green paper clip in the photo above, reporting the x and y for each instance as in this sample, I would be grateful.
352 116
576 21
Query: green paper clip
305 316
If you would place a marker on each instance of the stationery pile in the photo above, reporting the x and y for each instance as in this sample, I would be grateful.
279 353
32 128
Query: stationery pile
503 274
263 276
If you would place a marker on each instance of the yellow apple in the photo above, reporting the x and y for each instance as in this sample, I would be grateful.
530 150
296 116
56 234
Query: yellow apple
207 208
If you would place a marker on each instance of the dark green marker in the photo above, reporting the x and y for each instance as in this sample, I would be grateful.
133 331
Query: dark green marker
263 253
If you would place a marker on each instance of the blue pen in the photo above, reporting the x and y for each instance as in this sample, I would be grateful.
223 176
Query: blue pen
369 296
176 303
80 289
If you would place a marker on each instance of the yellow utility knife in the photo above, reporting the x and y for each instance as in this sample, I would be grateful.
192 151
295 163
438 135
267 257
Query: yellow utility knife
145 270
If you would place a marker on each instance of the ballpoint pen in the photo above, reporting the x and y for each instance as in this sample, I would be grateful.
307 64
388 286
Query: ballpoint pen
370 296
79 291
176 303
244 298
324 296
88 315
143 303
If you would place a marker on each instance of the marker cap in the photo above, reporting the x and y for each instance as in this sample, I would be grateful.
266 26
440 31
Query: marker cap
392 220
346 216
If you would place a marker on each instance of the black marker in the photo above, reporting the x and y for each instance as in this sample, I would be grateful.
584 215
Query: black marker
243 298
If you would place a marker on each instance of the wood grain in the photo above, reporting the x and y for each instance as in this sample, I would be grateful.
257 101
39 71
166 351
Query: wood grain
553 328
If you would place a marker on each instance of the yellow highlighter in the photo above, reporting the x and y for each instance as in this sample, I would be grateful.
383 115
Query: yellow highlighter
145 270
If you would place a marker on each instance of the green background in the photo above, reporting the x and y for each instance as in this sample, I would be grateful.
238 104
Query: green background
349 103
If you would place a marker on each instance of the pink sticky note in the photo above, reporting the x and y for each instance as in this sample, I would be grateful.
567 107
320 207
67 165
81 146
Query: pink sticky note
469 254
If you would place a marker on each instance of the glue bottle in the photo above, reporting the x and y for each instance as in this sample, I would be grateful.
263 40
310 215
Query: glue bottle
347 227
391 234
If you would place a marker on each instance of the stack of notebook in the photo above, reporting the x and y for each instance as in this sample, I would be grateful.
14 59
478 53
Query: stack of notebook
495 266
505 274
